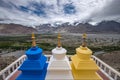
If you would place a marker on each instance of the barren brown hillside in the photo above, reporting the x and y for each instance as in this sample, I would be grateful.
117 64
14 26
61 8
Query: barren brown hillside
112 59
15 29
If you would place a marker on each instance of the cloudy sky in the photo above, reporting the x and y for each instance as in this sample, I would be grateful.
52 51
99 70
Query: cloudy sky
35 12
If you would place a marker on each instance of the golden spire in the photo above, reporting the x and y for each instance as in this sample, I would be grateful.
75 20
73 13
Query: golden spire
59 42
84 36
33 40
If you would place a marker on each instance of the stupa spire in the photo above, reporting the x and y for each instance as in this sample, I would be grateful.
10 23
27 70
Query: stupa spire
59 42
33 40
84 36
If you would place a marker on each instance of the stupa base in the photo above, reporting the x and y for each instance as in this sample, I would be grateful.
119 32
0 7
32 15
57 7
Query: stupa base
59 75
84 75
34 75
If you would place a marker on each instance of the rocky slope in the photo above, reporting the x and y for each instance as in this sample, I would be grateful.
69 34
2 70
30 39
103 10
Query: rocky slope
112 59
15 29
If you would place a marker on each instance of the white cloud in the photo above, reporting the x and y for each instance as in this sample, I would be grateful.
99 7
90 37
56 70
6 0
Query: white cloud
86 10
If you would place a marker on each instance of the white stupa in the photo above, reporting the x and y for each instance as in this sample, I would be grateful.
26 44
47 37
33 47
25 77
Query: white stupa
59 67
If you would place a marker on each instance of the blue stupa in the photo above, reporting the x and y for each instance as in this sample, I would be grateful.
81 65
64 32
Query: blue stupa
35 66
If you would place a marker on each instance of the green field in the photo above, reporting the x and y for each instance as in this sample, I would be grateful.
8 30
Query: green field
49 41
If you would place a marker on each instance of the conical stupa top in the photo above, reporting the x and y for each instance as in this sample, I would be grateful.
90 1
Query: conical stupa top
83 52
59 52
84 36
59 42
33 40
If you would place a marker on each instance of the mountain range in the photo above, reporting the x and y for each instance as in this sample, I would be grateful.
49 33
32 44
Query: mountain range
107 27
103 27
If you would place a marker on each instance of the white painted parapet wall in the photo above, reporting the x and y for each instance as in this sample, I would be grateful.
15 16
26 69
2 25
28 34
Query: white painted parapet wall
111 73
6 73
59 67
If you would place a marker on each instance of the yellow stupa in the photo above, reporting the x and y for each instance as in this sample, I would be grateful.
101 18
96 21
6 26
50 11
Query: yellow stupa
83 66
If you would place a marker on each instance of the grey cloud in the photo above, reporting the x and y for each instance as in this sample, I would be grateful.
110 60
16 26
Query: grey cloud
111 11
5 4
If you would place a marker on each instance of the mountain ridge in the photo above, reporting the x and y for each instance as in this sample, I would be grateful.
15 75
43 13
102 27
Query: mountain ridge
105 27
15 29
